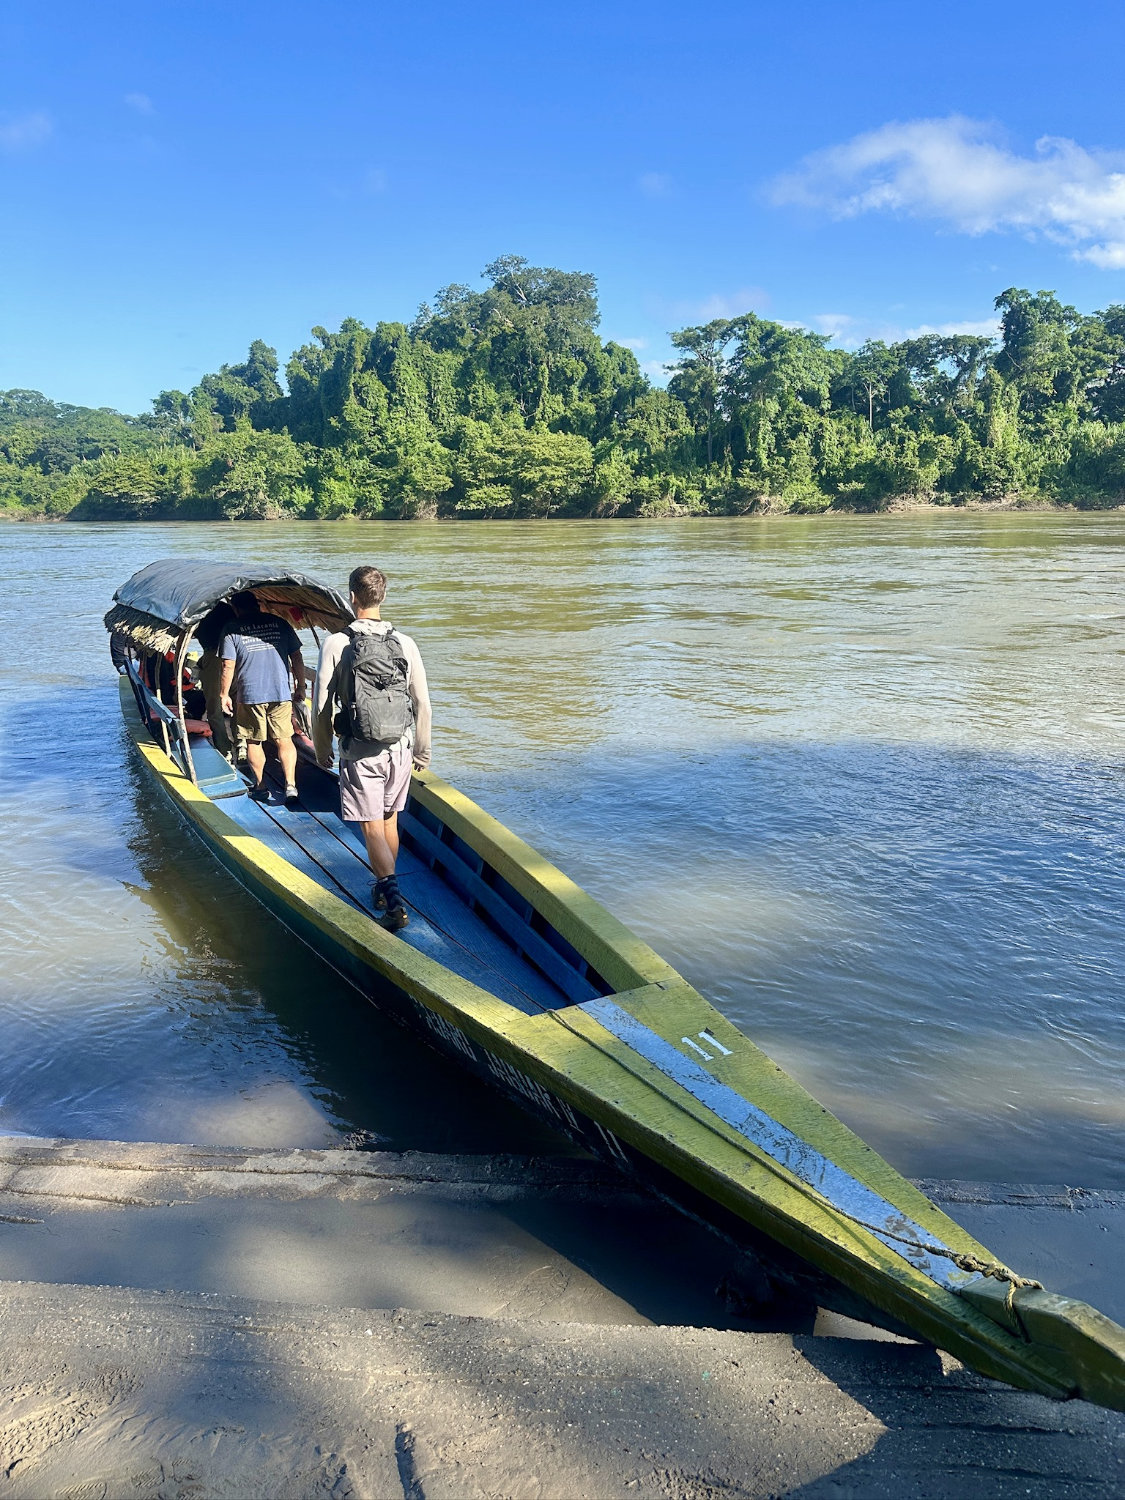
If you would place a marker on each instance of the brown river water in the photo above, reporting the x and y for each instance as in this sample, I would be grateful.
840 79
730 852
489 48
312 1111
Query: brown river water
860 780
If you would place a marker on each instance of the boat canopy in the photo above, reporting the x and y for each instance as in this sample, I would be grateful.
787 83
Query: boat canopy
155 608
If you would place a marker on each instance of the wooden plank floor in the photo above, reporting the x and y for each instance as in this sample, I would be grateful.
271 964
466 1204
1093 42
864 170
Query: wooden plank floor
326 849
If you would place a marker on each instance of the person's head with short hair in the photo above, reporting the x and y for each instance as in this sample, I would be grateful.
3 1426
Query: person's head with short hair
368 587
245 605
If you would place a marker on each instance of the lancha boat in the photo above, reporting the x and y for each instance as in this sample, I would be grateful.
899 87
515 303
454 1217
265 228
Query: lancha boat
526 980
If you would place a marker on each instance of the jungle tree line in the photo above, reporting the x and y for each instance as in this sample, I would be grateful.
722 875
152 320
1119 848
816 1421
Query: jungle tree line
506 403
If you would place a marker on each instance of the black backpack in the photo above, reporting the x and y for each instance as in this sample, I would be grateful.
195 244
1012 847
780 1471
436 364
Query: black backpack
372 677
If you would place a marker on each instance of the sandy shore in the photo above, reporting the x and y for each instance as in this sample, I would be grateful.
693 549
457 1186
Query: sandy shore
184 1322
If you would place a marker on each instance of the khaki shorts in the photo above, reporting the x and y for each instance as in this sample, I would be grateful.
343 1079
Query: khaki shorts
373 788
265 721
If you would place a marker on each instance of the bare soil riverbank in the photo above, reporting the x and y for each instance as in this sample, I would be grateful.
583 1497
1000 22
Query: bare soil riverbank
149 1396
194 1322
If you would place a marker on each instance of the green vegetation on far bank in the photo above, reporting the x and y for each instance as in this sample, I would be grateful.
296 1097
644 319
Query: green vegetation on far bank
505 403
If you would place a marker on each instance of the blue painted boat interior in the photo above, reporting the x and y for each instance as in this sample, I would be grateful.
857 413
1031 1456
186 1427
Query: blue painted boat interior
443 924
462 913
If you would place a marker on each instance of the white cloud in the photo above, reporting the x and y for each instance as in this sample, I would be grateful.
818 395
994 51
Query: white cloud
1107 257
716 305
25 131
988 328
655 184
719 305
960 171
141 103
632 343
835 325
850 332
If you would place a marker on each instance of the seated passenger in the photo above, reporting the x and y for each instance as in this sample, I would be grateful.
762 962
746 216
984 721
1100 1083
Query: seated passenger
258 652
195 700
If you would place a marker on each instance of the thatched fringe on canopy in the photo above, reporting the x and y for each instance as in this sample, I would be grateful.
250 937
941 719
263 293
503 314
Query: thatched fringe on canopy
145 632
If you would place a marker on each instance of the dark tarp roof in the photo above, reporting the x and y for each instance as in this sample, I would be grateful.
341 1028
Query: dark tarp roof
180 590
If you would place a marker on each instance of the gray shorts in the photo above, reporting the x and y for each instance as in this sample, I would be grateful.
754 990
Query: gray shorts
375 786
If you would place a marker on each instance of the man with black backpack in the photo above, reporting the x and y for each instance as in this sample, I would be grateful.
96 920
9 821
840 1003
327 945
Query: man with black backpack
371 688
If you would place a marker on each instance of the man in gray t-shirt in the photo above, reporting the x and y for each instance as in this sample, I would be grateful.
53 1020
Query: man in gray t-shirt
258 652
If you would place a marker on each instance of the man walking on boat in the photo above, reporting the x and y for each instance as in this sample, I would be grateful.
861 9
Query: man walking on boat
258 652
370 681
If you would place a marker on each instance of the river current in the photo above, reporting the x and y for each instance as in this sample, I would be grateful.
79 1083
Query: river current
860 780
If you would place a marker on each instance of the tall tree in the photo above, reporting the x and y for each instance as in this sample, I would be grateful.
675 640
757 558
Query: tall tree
700 378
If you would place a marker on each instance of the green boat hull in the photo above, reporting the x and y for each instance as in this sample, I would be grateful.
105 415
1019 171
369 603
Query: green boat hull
640 1068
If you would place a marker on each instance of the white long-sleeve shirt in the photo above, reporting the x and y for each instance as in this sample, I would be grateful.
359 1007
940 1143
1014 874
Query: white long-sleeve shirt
326 697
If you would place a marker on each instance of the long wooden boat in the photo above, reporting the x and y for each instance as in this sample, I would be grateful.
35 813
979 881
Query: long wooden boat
522 977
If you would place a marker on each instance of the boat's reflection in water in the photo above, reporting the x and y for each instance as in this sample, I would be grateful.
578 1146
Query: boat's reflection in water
288 1053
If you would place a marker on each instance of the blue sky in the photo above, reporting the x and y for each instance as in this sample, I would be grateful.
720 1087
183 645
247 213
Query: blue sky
178 180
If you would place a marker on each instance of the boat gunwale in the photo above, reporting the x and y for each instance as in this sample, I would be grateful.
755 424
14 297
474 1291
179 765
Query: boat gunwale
623 960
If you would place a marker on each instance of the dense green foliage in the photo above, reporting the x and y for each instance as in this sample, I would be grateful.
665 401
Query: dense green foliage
505 402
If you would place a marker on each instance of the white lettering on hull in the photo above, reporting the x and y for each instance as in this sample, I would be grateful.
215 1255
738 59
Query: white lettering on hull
448 1032
513 1079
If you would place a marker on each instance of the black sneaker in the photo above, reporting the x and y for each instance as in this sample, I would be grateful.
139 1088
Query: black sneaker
396 919
259 793
378 900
